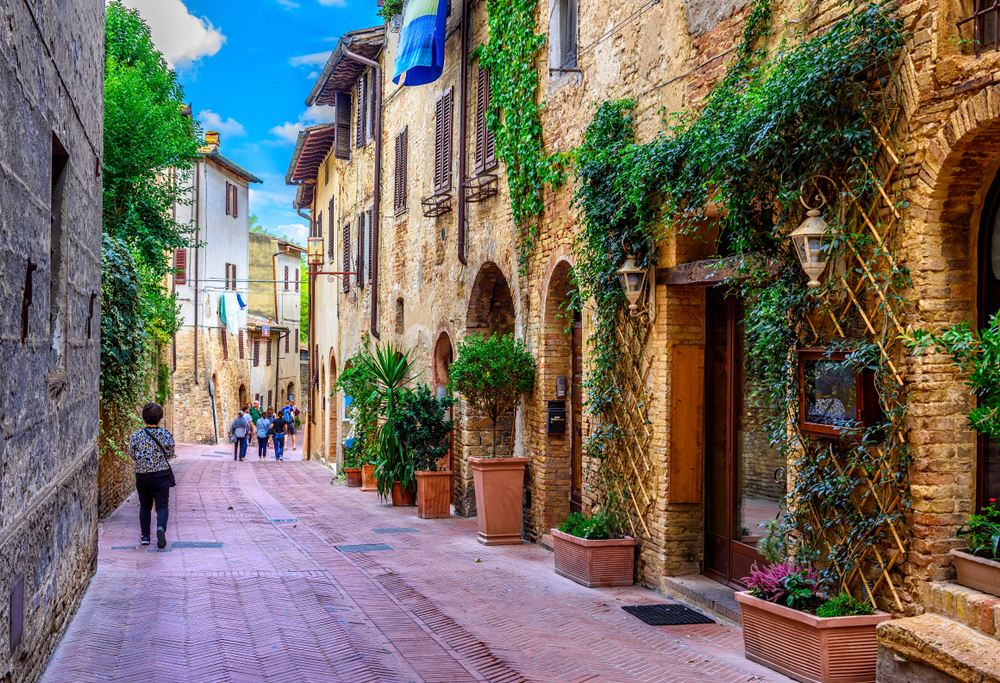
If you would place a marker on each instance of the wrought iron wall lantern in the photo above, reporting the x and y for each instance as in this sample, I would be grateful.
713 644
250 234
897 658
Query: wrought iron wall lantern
315 251
814 238
633 280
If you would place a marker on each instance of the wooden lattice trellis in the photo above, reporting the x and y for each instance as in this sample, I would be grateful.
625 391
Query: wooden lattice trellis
863 544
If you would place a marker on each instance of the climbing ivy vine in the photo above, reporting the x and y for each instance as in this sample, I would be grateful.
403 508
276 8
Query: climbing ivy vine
776 119
510 56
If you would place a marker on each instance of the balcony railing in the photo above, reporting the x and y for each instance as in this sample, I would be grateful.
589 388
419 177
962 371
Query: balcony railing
985 20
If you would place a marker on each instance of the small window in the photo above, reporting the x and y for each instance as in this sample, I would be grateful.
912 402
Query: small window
180 266
342 131
399 315
346 414
268 352
57 260
256 353
225 343
287 341
286 278
242 356
563 36
270 397
298 277
345 278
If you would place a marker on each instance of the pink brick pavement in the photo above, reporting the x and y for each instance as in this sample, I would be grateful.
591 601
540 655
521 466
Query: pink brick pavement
278 602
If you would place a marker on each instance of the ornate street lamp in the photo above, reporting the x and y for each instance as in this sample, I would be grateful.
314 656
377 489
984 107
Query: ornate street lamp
633 281
813 239
315 257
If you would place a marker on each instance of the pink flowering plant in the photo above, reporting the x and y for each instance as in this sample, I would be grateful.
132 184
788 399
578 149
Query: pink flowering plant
982 532
785 583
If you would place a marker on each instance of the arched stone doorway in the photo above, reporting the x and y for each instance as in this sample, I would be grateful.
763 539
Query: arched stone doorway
243 396
443 356
333 419
491 311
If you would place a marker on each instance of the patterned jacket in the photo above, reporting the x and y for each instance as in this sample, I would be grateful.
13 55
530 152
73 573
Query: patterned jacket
146 455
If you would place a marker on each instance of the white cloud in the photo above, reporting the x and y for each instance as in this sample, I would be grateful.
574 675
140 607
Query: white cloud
313 75
334 3
296 233
315 59
182 37
288 132
288 4
229 127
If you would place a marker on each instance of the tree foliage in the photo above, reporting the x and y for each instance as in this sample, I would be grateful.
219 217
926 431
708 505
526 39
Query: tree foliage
424 428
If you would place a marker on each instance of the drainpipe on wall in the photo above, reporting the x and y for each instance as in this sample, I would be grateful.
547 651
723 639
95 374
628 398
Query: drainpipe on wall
376 214
463 106
307 446
197 242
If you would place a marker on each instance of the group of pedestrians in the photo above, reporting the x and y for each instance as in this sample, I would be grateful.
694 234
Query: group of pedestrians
254 424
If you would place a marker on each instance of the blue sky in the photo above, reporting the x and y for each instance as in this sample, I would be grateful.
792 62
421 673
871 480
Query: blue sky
247 67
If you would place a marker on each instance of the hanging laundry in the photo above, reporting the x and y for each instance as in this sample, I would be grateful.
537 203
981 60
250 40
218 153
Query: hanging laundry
239 298
222 309
420 52
232 312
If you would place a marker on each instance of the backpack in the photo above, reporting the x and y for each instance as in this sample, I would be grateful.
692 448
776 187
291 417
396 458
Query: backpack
240 432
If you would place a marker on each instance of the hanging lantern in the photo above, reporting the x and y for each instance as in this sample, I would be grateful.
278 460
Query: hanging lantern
315 251
813 240
632 279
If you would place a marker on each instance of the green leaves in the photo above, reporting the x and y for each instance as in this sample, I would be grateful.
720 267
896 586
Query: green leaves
391 369
982 532
423 427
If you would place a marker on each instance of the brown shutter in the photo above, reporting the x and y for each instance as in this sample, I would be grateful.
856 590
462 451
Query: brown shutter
360 268
287 341
490 159
331 244
229 209
242 353
342 132
256 353
446 153
234 276
406 164
373 83
180 266
361 118
438 144
480 120
371 243
270 395
227 276
296 340
298 275
268 351
286 278
236 197
225 343
397 186
346 279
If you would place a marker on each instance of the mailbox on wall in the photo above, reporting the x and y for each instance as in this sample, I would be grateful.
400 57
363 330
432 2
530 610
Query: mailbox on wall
557 417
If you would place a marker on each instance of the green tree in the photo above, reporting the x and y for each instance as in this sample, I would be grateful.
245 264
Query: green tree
492 374
304 306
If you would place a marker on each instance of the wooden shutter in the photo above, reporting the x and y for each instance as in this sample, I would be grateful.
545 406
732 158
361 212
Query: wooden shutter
331 244
227 276
361 118
256 353
397 190
373 84
371 242
229 209
270 396
288 338
359 278
296 340
268 351
225 343
687 393
286 278
342 131
242 354
346 279
490 154
180 266
481 120
234 276
298 275
442 142
236 197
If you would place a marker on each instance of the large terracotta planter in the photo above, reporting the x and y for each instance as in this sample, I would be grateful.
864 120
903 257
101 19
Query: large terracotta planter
400 497
499 489
353 475
368 478
434 494
808 648
594 563
977 572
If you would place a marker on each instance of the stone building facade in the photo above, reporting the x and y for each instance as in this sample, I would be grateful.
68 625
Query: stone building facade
51 148
431 291
210 373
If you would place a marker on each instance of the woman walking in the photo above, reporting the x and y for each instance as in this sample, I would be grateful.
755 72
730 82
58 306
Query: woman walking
150 449
263 425
278 430
239 431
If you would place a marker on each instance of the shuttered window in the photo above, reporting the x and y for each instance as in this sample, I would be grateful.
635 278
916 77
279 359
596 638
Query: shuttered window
371 243
331 248
268 352
362 118
242 353
399 187
372 85
486 148
180 266
296 340
286 278
227 275
298 276
236 196
342 133
270 397
234 276
229 196
288 338
359 278
256 353
346 279
225 343
442 142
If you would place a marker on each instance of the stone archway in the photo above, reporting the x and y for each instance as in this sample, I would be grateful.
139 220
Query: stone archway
243 396
491 311
333 417
440 372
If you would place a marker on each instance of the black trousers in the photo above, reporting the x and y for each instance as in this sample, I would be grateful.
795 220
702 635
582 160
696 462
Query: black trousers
151 487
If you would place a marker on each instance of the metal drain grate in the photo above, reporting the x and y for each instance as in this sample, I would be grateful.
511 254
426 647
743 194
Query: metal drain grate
282 520
196 544
157 550
123 547
667 615
397 530
366 548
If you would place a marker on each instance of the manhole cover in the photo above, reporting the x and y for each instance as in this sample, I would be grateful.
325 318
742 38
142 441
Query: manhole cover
366 548
123 547
157 550
397 530
282 520
667 615
196 544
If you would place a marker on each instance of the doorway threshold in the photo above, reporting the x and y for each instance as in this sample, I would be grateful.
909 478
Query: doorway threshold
704 592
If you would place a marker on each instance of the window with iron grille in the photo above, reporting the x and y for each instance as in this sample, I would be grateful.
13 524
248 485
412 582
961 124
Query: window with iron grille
256 353
399 186
225 344
442 142
268 351
982 25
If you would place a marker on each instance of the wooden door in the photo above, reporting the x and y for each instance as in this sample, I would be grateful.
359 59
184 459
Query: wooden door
576 402
988 456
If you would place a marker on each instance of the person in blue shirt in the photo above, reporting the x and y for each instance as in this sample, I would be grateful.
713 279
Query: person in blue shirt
263 427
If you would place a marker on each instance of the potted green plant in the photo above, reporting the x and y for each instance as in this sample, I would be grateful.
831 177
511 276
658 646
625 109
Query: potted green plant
352 463
593 551
492 374
426 433
358 384
792 628
394 469
978 565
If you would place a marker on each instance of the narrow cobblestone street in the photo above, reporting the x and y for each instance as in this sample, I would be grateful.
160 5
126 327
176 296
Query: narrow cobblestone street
279 602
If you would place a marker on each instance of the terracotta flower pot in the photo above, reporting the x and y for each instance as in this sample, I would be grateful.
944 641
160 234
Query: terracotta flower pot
434 494
499 490
368 478
400 497
808 648
353 475
977 572
594 563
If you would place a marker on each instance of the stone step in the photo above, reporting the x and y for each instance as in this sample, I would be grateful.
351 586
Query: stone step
935 649
977 610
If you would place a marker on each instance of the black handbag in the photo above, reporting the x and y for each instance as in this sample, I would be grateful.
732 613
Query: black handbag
172 480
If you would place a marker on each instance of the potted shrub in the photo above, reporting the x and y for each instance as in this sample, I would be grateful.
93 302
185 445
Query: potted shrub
352 466
788 626
592 552
358 382
978 566
426 434
492 374
394 468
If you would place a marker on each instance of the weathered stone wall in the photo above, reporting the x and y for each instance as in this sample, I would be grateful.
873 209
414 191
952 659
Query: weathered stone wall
51 85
